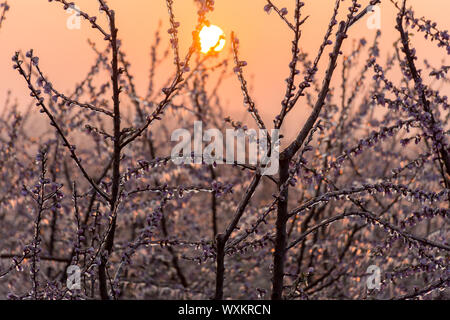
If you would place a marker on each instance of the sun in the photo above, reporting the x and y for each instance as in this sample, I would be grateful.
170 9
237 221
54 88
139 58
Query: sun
212 38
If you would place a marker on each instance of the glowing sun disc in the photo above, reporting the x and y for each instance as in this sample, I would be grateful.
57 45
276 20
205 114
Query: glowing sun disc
212 38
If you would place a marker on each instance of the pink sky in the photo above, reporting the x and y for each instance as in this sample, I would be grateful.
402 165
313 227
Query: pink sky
265 40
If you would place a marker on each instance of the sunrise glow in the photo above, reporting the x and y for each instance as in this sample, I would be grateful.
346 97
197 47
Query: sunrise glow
212 38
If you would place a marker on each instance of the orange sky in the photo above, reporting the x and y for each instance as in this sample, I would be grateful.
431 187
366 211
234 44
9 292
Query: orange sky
265 40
